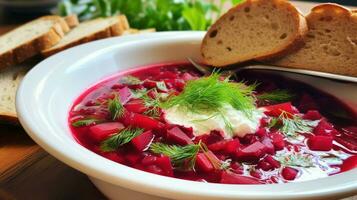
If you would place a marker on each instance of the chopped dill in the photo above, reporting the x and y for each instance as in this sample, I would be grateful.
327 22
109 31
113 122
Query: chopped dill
290 125
129 80
85 122
120 138
115 107
179 155
276 96
296 159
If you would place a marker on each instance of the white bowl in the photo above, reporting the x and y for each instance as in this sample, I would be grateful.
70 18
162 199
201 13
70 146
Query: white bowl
48 91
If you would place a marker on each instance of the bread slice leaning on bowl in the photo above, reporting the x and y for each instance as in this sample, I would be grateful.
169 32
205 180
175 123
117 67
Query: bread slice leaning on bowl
89 31
10 79
331 43
30 39
254 29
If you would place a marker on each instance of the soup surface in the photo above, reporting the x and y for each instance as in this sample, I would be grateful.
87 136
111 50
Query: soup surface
251 128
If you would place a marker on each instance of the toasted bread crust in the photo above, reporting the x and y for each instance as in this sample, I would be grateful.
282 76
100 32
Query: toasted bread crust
294 43
114 30
323 12
72 21
33 47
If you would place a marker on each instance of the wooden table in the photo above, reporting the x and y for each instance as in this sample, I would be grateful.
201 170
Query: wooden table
28 172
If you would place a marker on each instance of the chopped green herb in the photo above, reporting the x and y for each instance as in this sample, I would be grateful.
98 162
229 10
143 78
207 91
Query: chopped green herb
161 86
119 139
179 155
129 80
290 125
137 94
115 108
85 122
295 159
153 105
209 94
276 96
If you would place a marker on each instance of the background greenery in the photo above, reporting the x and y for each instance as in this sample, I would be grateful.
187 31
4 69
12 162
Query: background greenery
164 15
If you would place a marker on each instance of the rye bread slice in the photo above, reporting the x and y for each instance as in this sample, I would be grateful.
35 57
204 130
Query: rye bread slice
254 29
331 43
89 31
30 39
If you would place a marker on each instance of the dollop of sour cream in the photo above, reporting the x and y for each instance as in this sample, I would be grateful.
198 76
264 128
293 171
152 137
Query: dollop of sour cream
204 123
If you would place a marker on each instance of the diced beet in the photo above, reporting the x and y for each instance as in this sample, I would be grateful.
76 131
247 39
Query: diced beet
136 106
312 115
261 132
164 163
227 146
320 143
264 165
289 173
349 164
149 160
278 141
256 173
101 132
274 163
114 156
269 145
232 178
142 121
179 84
253 151
132 158
154 169
203 163
178 136
237 168
149 84
187 76
142 141
276 110
249 139
324 128
125 95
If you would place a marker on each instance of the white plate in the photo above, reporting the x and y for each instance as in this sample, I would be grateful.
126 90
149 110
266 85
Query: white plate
48 91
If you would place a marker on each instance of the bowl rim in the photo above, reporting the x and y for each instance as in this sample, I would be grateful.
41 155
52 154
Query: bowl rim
140 181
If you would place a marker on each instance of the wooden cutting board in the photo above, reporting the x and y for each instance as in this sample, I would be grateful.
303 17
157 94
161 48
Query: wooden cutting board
28 172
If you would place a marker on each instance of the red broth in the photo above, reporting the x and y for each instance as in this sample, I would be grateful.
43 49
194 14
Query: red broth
127 132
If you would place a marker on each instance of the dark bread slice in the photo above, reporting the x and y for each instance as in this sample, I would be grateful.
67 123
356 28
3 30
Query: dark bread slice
254 29
331 43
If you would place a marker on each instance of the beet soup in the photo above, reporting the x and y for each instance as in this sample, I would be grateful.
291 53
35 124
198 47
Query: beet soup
253 128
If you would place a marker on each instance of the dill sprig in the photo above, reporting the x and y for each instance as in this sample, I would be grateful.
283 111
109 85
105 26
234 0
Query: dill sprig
115 107
295 159
85 122
179 155
276 96
290 125
153 104
120 138
209 94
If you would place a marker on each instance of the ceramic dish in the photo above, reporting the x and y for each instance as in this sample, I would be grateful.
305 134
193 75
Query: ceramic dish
48 91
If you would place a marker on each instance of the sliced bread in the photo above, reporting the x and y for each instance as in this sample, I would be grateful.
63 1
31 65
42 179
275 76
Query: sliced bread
10 79
72 21
254 29
30 39
331 43
89 31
